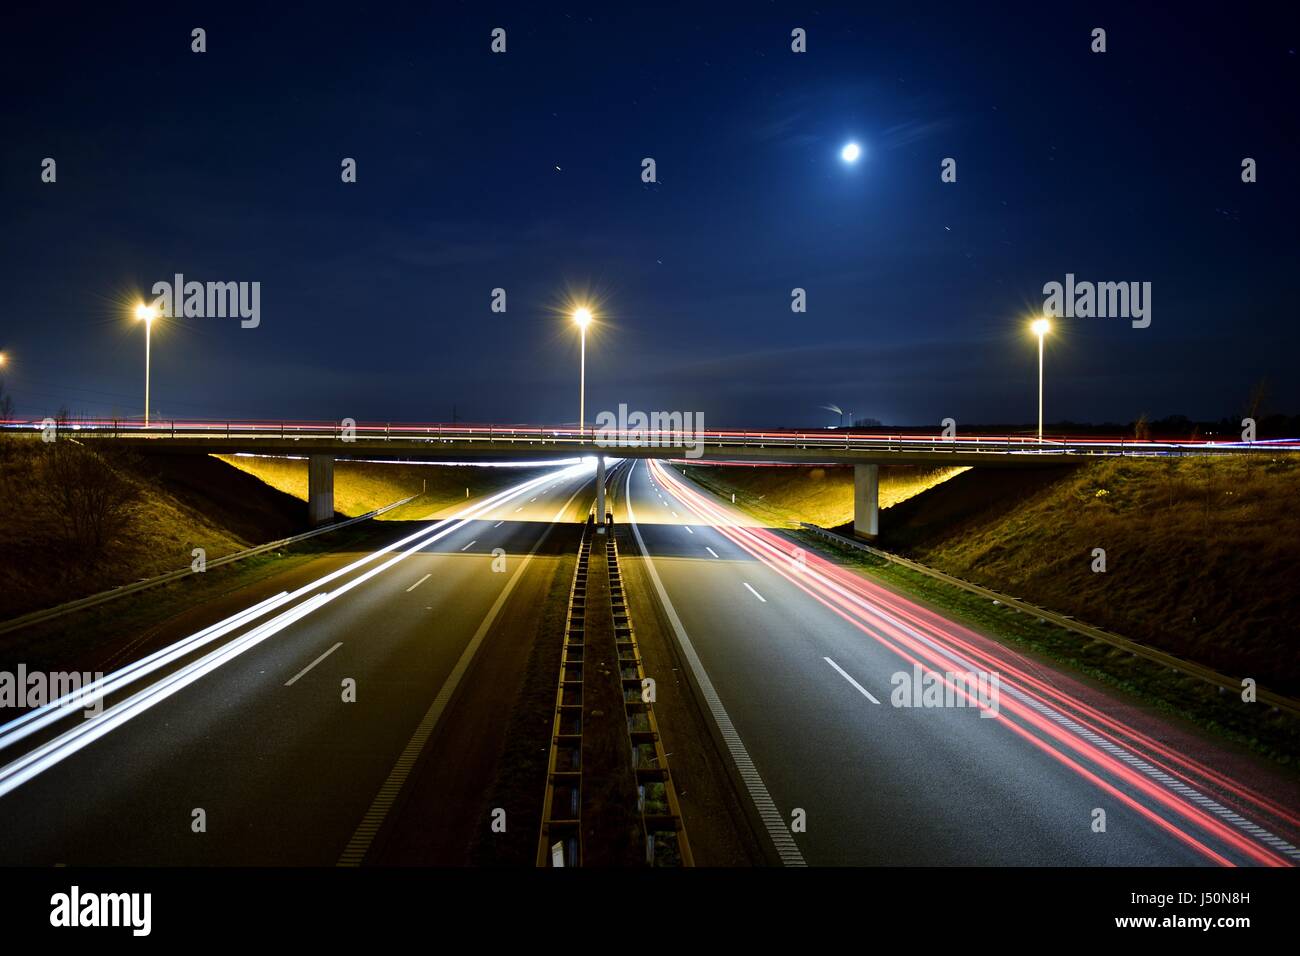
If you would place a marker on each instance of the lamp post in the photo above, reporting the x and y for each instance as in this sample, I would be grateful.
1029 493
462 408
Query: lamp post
147 314
1040 327
582 318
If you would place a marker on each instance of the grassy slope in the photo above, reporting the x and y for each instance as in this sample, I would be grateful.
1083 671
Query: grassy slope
824 496
1201 554
189 502
185 503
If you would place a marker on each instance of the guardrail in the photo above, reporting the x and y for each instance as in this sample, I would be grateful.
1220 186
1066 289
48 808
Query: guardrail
559 843
1162 658
38 617
661 816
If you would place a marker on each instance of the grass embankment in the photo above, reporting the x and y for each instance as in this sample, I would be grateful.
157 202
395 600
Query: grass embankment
786 495
172 504
176 504
361 486
1201 553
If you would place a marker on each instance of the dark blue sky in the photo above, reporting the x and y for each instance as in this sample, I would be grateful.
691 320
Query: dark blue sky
1123 166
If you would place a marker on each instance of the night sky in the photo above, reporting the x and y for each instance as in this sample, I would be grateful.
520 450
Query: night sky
375 300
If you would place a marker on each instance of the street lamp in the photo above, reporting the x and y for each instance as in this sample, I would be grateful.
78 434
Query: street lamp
147 314
1040 327
582 318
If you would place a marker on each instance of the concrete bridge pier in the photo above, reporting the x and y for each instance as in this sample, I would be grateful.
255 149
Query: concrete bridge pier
866 501
600 494
320 489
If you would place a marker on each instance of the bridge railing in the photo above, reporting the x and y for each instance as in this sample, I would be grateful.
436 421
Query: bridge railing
589 439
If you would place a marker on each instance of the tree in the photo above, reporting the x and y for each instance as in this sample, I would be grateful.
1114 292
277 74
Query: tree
1142 428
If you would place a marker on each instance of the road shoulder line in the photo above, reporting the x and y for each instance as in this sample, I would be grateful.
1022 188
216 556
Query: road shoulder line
773 823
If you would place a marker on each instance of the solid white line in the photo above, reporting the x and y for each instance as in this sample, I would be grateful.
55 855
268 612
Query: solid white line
753 592
773 821
470 545
710 550
861 690
419 582
291 681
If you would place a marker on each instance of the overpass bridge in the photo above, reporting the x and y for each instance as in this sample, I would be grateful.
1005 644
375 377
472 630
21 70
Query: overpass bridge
322 443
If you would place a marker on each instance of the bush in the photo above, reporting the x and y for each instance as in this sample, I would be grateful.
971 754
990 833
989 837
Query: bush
89 494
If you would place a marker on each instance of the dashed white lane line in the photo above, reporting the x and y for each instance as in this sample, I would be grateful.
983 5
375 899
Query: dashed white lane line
532 499
470 545
291 681
710 550
861 690
364 835
688 529
519 509
755 593
499 523
674 513
419 582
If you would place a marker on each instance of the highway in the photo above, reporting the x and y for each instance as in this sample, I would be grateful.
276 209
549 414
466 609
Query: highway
795 659
246 720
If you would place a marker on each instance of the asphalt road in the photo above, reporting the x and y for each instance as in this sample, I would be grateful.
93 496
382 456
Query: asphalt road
796 660
261 738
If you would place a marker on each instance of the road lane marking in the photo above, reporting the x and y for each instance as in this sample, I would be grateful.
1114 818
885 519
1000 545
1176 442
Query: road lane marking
753 592
499 523
31 764
773 822
419 582
294 679
710 550
674 513
519 509
936 645
369 826
861 690
470 545
688 529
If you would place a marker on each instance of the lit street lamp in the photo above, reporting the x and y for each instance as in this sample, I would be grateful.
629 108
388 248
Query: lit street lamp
582 318
147 313
1040 327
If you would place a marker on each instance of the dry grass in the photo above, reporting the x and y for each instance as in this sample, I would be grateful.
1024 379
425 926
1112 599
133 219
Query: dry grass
787 495
41 569
1201 554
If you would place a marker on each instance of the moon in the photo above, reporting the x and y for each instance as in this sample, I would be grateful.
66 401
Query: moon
850 152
